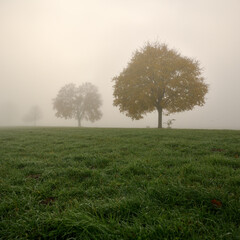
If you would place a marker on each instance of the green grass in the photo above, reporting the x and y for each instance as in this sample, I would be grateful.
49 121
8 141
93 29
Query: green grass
70 183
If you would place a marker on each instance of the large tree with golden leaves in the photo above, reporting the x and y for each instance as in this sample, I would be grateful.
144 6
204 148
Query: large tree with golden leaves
159 78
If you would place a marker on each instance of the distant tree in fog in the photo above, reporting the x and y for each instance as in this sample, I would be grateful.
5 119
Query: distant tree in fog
158 78
80 103
170 122
33 115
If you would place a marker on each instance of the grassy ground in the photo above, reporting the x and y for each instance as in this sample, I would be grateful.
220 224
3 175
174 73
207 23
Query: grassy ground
69 183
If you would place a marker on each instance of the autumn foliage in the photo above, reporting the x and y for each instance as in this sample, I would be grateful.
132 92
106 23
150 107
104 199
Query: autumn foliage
159 78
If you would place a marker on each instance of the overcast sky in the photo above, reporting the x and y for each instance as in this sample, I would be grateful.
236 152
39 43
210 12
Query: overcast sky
45 44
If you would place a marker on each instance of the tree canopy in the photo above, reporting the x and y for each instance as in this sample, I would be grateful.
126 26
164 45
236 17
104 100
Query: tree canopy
159 78
80 103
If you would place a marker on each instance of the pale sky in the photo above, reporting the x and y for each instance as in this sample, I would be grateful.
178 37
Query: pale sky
45 44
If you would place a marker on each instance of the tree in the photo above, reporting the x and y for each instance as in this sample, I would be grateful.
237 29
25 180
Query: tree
159 78
33 115
170 122
81 102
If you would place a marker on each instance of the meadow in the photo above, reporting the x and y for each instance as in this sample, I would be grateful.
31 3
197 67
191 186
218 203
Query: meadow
92 183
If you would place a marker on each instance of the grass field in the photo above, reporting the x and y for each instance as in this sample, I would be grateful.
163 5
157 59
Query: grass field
70 183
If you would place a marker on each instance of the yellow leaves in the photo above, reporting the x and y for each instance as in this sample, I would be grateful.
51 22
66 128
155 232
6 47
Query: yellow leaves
158 77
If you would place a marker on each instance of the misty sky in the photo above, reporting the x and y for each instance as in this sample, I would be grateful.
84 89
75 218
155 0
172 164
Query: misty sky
45 44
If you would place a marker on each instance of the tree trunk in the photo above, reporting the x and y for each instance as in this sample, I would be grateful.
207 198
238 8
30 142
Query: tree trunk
159 117
79 122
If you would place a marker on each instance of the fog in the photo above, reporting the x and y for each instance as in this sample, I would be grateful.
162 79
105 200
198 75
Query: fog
45 44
